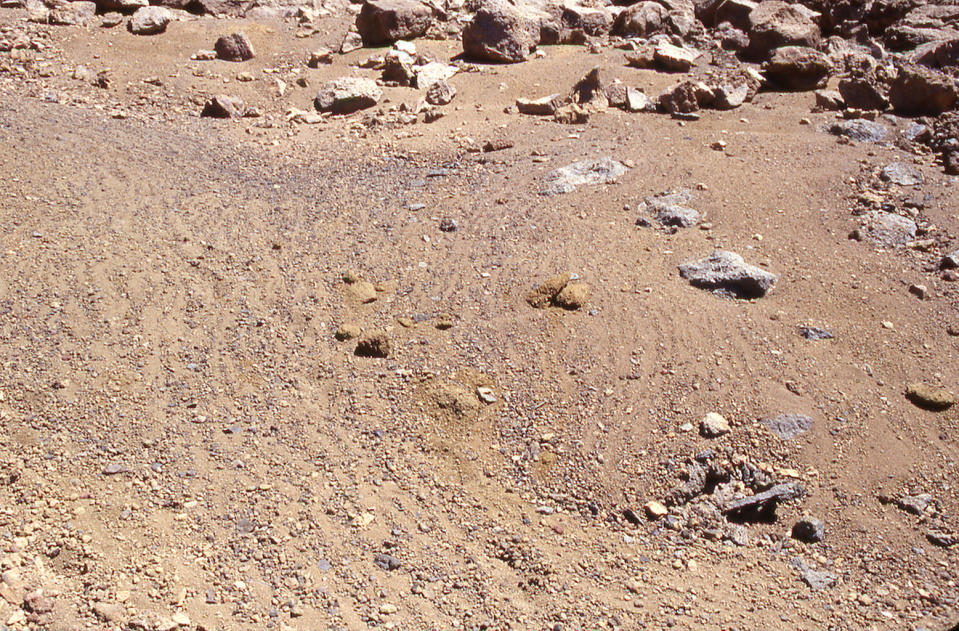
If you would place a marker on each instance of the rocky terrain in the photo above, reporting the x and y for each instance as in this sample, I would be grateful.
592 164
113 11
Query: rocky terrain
479 315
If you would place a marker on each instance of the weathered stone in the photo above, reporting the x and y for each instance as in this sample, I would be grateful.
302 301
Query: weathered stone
501 32
222 106
829 101
544 106
818 580
713 425
585 172
382 22
673 58
864 92
234 47
73 13
347 95
655 510
763 505
376 344
919 90
901 174
573 296
642 19
788 426
542 296
774 23
886 229
428 74
860 129
930 397
809 530
798 68
440 93
149 20
348 331
726 273
814 334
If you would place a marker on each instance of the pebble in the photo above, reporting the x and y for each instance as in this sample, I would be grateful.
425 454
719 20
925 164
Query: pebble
713 425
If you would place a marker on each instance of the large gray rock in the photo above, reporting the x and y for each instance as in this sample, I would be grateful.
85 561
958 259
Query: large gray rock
502 32
382 22
860 129
923 91
585 172
347 95
149 20
726 273
775 23
798 68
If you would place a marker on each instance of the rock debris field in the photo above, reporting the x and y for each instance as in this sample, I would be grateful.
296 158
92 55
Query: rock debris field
479 315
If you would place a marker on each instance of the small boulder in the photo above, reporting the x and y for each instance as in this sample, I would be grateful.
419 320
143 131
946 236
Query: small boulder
809 530
440 93
149 20
501 32
234 47
798 68
347 95
726 273
864 92
222 106
348 331
375 344
774 23
642 19
829 101
713 425
72 13
930 397
382 22
917 90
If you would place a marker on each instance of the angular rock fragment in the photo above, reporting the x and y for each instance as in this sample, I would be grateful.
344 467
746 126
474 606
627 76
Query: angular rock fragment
798 68
886 230
814 334
375 344
918 90
382 22
901 174
860 130
726 273
347 95
713 426
809 530
234 47
762 506
773 24
502 32
222 106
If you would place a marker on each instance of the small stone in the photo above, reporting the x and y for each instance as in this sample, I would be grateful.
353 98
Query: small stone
114 469
448 225
901 174
348 331
440 93
108 612
919 291
788 426
347 95
320 57
655 510
363 291
388 609
373 345
808 530
930 397
542 296
726 273
573 296
387 562
486 394
222 106
815 334
36 602
713 425
818 580
181 619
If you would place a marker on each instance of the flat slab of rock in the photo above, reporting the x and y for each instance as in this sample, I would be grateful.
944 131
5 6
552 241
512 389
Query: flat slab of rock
763 504
585 172
347 95
814 333
860 130
726 273
930 397
886 229
901 174
818 580
543 106
669 209
788 426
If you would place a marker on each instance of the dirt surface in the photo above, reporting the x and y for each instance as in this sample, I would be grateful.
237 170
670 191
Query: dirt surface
185 442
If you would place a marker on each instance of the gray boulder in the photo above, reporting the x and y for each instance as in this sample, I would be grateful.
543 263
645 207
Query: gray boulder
726 273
